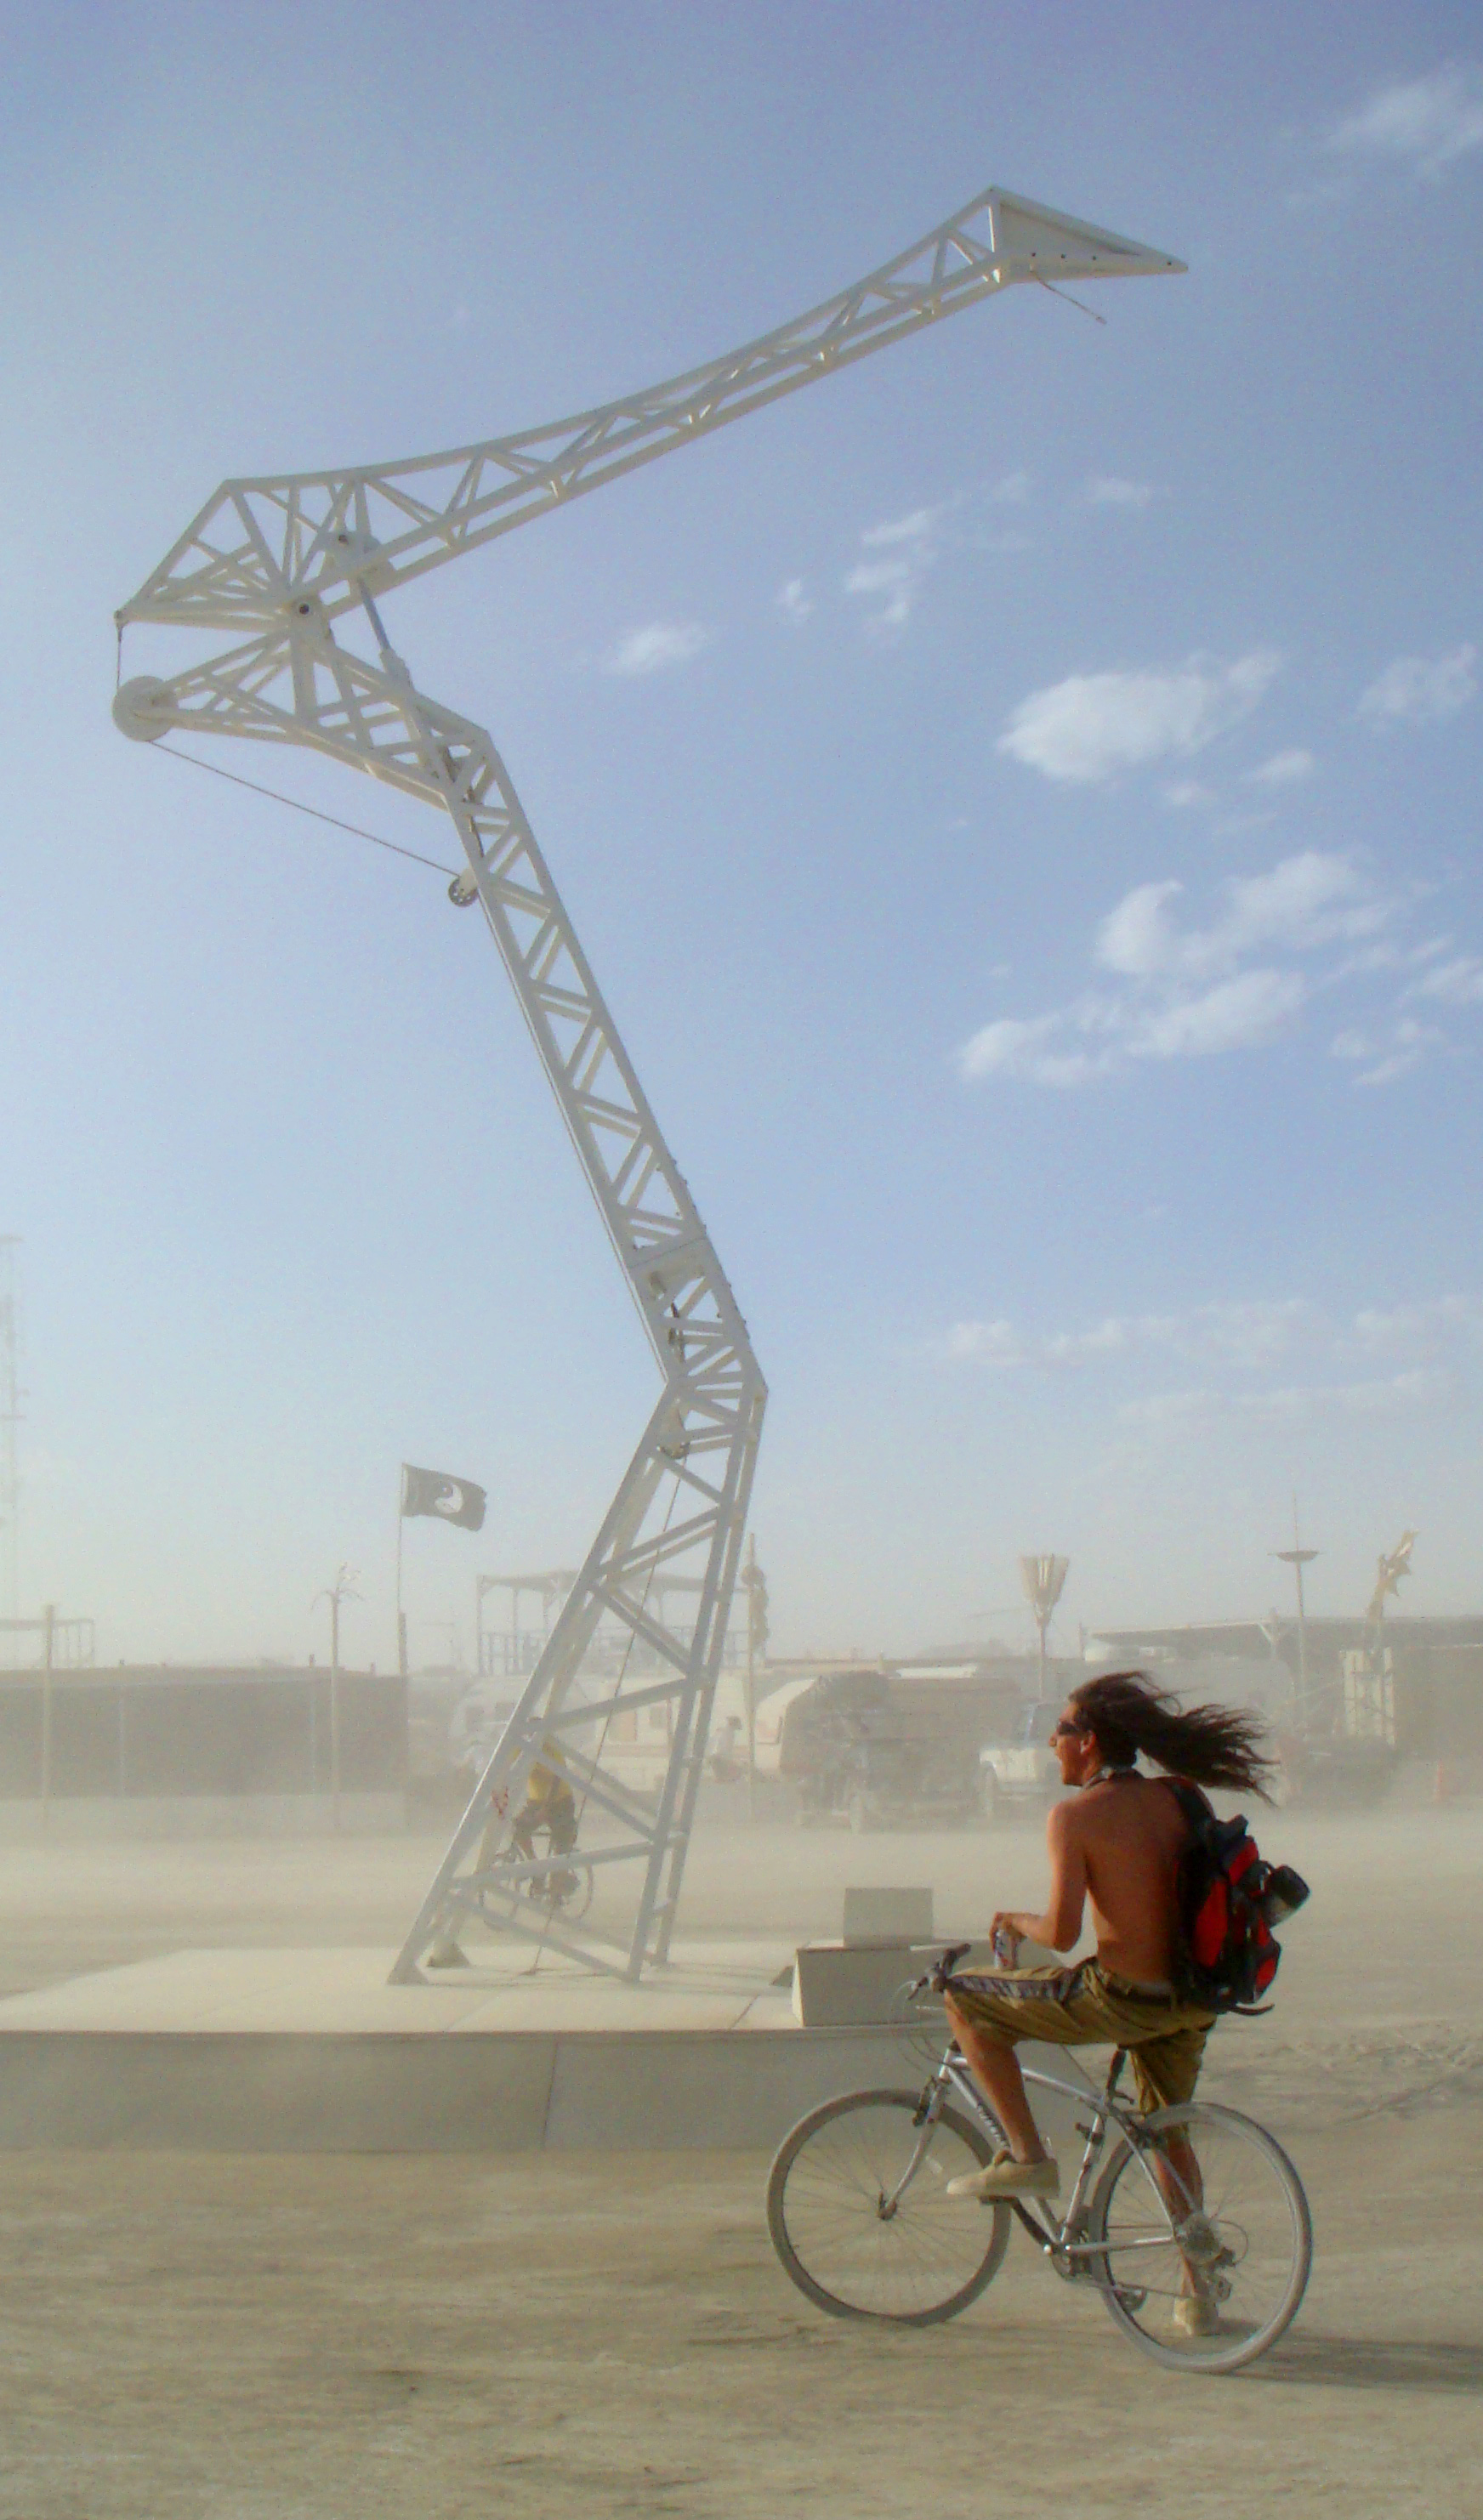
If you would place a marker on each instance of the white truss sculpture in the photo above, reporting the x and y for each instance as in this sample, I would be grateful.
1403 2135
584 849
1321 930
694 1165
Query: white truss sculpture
280 562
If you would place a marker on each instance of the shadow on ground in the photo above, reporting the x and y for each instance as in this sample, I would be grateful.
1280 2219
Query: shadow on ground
1348 2362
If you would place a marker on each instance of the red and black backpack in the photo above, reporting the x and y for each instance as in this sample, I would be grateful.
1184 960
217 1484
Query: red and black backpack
1229 1901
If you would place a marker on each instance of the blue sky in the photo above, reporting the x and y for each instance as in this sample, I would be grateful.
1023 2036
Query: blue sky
1021 801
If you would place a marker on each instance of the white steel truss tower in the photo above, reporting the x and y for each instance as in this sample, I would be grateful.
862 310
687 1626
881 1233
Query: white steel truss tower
279 564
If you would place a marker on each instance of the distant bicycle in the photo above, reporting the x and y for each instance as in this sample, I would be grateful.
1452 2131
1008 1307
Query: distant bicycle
858 2210
552 1878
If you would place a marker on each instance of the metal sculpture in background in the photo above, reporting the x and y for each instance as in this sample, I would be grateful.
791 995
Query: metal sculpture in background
1044 1580
288 564
1388 1573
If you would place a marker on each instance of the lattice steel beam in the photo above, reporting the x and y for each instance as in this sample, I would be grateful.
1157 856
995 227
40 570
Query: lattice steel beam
276 563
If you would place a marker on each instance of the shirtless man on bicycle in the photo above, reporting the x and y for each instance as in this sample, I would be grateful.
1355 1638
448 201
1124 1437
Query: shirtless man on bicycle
1117 1847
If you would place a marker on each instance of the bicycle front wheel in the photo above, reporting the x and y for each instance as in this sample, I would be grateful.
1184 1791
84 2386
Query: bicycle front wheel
1205 2239
578 1899
858 2210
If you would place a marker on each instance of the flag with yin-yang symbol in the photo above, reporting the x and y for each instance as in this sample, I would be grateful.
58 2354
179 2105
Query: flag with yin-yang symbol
447 1500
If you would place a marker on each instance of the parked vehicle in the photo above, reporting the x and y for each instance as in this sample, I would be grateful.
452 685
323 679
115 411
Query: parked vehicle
878 1752
1023 1771
475 1725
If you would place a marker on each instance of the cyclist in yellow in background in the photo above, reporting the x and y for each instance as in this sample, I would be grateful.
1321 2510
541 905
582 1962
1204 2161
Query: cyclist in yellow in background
549 1804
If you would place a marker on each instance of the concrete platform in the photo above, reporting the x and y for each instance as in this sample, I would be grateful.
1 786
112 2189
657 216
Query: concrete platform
313 2051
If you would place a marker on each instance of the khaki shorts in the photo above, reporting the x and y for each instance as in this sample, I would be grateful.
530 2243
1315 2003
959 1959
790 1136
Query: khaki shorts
1087 2006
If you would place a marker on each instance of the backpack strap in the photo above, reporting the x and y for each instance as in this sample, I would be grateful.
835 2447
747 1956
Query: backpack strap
1195 1805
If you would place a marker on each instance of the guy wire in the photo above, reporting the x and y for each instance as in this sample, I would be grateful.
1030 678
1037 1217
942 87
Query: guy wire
1070 300
313 811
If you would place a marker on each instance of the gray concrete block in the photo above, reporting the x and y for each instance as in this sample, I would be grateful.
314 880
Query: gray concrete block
839 1983
298 2091
873 1915
273 2092
677 2091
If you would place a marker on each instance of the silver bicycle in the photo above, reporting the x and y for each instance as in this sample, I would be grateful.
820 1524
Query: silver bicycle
1190 2223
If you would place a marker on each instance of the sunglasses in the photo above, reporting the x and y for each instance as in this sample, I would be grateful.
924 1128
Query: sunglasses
1065 1731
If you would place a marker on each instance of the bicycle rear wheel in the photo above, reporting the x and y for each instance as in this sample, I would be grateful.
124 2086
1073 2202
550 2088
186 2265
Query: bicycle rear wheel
1203 2270
856 2247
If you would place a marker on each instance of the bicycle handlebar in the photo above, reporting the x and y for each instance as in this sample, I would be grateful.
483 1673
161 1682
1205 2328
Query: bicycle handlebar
936 1979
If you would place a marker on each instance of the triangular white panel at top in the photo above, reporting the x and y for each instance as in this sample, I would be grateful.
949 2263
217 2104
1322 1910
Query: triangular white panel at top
1037 244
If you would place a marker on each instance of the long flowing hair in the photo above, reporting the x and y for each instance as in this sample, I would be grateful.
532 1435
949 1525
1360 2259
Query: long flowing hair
1211 1745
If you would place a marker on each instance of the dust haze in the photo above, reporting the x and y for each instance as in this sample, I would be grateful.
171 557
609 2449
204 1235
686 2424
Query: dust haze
272 2330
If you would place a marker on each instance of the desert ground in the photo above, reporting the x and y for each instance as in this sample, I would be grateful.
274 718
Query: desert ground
209 2337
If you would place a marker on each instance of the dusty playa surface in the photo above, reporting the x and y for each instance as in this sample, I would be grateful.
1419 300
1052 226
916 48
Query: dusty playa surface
271 2338
261 2339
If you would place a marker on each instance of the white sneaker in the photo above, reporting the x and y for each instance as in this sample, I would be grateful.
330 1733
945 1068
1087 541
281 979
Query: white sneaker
1007 2177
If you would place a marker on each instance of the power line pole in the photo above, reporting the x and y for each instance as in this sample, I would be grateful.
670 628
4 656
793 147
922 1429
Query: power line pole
342 1590
757 1631
10 1421
1297 1557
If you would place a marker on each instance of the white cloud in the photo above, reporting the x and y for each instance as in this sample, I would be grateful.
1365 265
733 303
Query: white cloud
1244 1013
1394 1396
1424 1328
916 528
1105 490
989 1342
1275 944
1283 769
1243 1337
1305 901
793 600
1098 1035
1272 1360
1092 726
1398 1049
877 576
1296 1404
894 582
1426 122
1013 491
1016 1047
660 643
1459 983
1182 793
1418 689
1170 1409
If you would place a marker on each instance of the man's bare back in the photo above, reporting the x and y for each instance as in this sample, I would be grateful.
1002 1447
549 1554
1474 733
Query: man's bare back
1125 1837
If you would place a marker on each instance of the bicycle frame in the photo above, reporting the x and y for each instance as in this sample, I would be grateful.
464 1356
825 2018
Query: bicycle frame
1058 2240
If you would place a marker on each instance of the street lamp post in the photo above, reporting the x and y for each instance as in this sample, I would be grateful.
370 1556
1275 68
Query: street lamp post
1041 1580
